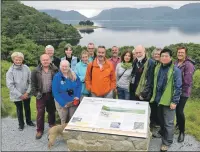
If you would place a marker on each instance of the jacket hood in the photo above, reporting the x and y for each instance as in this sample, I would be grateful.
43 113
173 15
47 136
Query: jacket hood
190 60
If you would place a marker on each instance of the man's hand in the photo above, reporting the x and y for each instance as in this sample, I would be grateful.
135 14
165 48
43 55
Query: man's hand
22 97
25 96
172 106
115 91
141 98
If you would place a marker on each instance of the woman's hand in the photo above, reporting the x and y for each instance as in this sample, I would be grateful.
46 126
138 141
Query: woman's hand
69 104
73 76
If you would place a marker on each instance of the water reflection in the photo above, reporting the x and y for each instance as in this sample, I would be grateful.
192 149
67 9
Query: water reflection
88 31
184 26
147 33
189 27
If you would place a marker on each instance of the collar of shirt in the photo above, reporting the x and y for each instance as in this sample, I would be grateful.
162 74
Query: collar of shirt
100 65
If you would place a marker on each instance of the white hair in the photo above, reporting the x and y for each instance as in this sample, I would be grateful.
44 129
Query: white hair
49 47
133 51
155 50
70 74
64 61
17 54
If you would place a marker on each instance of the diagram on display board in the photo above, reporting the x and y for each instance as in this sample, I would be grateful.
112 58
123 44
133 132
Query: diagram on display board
111 116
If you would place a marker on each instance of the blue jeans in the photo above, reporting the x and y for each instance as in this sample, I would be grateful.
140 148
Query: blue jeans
123 93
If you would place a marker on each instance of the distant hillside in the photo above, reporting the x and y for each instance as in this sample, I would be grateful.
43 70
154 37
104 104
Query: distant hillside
188 11
27 30
65 15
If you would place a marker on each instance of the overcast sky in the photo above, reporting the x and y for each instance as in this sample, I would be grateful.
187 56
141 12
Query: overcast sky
92 8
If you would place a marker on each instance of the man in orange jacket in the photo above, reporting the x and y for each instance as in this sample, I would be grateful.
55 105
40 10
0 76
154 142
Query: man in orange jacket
100 77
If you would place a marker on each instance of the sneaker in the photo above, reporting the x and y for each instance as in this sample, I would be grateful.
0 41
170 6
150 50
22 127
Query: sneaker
164 147
21 128
31 124
39 135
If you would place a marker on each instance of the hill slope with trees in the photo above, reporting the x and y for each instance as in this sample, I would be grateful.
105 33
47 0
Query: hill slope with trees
24 28
186 12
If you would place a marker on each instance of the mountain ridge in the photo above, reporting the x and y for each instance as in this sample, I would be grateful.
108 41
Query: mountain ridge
64 15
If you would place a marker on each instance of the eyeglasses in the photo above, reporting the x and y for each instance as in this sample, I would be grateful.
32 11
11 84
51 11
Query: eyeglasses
90 48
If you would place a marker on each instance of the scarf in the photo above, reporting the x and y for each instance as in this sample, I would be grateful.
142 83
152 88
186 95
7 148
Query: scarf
126 65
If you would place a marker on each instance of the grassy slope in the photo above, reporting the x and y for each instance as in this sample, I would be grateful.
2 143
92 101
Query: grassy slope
192 113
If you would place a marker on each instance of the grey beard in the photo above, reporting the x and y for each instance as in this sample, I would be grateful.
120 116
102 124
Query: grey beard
140 58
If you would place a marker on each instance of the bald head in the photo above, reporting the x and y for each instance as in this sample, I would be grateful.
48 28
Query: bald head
140 52
45 60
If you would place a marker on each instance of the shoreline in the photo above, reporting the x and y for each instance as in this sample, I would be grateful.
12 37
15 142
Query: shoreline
82 27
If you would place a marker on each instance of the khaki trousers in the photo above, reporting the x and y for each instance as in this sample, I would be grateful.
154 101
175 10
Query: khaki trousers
65 114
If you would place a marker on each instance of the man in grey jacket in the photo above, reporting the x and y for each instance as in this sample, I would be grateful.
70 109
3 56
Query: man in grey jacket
18 81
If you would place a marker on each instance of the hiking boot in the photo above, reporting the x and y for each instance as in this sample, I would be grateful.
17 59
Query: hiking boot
181 137
31 124
164 148
38 135
21 128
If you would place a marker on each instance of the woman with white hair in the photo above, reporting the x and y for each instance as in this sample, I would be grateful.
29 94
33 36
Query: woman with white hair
67 91
18 81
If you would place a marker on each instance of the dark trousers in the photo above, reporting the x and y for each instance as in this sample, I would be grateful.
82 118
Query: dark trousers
123 93
154 113
166 118
46 101
180 117
27 109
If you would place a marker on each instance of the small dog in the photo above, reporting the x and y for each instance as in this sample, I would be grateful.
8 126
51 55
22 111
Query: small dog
54 132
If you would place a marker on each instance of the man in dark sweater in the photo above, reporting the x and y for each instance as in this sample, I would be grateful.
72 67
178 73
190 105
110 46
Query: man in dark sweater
142 67
49 49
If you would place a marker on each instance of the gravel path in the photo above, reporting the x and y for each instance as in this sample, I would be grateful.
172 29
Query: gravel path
14 140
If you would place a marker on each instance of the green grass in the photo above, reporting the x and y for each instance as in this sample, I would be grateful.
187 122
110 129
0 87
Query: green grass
192 113
8 107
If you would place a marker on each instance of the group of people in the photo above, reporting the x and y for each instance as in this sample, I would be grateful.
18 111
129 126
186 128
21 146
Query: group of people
60 84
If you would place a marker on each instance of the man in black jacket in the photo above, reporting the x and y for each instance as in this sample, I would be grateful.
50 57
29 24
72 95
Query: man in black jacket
49 49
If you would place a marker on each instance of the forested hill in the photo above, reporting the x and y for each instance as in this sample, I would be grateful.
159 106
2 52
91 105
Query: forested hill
65 15
19 18
186 12
24 27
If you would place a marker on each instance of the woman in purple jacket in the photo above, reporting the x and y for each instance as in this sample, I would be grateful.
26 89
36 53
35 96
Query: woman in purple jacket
187 69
